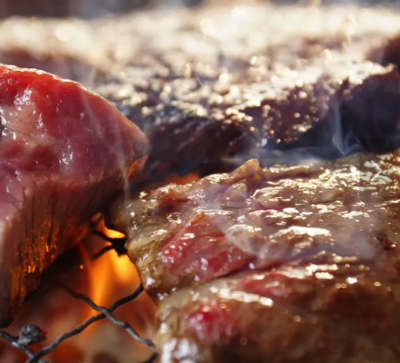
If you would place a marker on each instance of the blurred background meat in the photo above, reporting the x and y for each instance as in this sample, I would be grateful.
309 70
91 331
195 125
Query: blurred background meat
224 93
87 8
62 8
99 8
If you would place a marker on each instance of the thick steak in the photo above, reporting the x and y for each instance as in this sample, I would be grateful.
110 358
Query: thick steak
226 84
325 109
64 151
305 248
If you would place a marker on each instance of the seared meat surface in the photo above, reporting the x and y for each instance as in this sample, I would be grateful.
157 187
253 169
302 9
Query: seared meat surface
261 264
225 93
322 312
217 86
326 109
64 151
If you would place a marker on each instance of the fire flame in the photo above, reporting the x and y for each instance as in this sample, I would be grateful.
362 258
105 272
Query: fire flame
105 280
111 272
175 179
112 277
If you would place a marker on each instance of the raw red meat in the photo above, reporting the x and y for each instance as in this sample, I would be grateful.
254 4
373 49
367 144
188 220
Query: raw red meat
64 151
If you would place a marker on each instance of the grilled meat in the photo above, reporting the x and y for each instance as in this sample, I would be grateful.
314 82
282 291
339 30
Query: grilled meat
327 109
219 90
64 152
322 312
260 256
225 93
286 264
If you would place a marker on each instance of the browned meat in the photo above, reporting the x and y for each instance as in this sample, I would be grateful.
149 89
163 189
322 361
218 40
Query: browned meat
219 90
327 109
223 97
387 53
306 248
83 8
322 312
64 151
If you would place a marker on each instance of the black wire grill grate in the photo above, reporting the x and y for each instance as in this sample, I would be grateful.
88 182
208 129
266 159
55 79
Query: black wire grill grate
32 334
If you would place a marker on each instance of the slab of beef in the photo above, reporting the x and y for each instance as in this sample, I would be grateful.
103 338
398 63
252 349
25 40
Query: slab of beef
64 151
326 109
228 84
225 93
282 264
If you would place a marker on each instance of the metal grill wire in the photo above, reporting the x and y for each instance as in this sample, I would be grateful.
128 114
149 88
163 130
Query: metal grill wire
32 334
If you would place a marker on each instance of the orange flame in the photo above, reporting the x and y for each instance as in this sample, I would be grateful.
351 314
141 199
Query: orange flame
176 179
111 273
112 277
105 280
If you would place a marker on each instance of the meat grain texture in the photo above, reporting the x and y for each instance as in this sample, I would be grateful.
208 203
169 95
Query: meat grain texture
64 151
282 264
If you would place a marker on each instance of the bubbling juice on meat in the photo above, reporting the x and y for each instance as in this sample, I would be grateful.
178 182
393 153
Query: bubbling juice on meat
245 264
